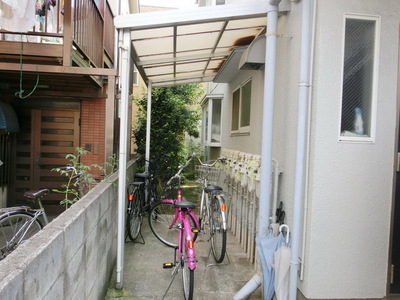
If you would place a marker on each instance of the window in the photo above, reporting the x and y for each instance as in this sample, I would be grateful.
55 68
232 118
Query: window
135 76
211 129
241 105
359 79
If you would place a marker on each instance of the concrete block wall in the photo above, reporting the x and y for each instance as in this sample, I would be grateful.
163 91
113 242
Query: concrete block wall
73 257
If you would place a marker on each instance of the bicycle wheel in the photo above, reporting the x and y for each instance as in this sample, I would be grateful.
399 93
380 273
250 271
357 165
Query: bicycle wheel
217 232
134 215
187 278
203 209
160 219
15 228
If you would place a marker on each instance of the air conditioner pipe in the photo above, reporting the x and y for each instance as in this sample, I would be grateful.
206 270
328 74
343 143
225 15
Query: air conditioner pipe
267 129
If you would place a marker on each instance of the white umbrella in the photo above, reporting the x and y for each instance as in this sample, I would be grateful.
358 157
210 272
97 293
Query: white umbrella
282 268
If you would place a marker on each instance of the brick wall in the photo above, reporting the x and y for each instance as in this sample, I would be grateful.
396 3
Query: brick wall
93 132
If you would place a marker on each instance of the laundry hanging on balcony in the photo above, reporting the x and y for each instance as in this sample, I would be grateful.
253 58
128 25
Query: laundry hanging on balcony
17 16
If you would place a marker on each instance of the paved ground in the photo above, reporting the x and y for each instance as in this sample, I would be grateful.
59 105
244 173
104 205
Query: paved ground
144 277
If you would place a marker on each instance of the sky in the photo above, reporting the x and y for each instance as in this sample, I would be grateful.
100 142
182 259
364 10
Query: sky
170 3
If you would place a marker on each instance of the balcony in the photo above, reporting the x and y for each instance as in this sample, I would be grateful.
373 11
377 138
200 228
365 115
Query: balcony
66 33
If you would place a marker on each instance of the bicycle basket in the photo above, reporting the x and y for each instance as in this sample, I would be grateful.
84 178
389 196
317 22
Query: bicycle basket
206 172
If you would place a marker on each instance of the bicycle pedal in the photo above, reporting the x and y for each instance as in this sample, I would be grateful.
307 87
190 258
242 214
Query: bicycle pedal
195 230
168 265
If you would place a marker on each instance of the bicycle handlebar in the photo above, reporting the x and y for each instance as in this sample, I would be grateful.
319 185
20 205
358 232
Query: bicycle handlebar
69 168
181 168
221 159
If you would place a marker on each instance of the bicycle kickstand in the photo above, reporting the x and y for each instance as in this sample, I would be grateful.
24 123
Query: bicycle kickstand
175 267
215 264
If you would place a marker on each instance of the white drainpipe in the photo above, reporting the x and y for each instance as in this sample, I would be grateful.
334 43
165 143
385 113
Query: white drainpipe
267 134
302 131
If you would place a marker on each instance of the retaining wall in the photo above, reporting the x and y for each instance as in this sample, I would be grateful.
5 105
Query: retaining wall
73 257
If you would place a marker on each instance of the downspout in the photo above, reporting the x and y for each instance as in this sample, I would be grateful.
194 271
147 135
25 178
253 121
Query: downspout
123 133
302 129
267 135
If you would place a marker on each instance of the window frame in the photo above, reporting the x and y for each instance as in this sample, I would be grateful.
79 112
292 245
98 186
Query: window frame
207 119
374 81
241 130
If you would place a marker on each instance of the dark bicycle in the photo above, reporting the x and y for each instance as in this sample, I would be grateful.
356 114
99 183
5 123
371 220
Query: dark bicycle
142 193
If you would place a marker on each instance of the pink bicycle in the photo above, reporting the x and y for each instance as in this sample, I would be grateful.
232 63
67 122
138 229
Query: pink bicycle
174 223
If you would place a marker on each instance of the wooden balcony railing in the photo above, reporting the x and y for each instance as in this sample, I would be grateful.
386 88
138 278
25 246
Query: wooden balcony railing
109 33
88 30
86 25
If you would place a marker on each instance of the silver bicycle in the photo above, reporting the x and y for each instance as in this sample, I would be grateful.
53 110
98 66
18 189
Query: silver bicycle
17 224
213 208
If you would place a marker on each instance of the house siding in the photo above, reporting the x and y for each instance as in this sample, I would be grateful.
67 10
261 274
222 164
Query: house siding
349 185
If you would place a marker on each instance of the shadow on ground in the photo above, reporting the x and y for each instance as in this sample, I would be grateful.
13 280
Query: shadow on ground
144 277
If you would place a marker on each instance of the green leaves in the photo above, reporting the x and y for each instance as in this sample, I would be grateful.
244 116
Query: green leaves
175 111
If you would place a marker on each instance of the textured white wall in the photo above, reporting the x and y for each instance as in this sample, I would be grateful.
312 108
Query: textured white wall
350 183
349 191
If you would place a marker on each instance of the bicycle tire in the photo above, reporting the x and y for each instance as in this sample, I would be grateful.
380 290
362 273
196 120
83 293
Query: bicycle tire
217 232
187 279
134 216
11 235
154 196
160 217
203 209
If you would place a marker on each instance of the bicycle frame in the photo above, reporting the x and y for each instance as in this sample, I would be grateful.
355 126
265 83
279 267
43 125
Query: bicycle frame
204 203
22 231
185 233
20 234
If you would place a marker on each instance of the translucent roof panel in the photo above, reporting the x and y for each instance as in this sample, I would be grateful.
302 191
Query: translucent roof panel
182 46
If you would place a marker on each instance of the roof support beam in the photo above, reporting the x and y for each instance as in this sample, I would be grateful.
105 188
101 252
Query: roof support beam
204 56
182 80
192 16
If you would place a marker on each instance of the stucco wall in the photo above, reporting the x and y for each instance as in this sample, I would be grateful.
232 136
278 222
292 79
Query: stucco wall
72 257
350 183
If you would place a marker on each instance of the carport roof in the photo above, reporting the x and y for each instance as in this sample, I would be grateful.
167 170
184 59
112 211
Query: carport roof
183 46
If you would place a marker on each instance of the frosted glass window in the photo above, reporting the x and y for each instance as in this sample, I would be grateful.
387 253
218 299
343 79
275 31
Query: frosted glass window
358 78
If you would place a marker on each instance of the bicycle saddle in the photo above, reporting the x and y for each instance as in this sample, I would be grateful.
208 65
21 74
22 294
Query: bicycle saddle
184 204
36 194
143 175
212 188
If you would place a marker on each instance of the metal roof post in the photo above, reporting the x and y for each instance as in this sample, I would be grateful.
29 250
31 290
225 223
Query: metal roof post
267 137
268 116
148 125
125 72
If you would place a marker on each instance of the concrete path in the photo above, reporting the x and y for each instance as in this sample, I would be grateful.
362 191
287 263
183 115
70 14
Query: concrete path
144 277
